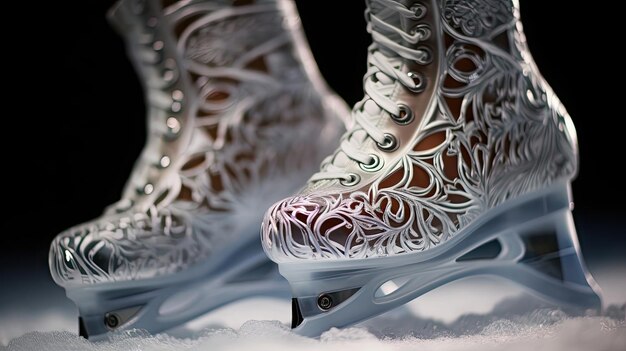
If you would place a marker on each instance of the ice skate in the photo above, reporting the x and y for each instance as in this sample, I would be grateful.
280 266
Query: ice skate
458 163
238 118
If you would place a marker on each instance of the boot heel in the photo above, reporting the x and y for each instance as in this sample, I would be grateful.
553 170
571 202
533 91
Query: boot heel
554 262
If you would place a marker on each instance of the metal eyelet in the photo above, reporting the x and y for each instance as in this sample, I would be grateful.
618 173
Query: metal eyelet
354 179
428 57
176 106
374 165
177 95
418 79
147 189
169 72
405 116
424 31
173 127
390 144
158 45
165 161
419 10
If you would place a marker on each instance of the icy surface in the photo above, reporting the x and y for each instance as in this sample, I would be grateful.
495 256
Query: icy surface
478 314
539 330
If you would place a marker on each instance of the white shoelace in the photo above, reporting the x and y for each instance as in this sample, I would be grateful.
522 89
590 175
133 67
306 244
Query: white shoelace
379 81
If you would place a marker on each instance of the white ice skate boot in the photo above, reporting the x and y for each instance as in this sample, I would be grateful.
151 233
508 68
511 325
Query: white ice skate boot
458 164
238 118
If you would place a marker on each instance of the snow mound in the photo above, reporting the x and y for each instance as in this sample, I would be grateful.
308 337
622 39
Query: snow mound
541 329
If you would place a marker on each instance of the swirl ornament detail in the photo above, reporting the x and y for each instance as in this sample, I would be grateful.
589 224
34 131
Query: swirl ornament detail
495 131
232 120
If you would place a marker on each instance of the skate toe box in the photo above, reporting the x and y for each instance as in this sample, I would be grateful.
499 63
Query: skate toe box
122 247
320 227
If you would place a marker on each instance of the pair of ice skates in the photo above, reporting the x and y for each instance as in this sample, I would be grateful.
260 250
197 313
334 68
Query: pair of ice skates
457 162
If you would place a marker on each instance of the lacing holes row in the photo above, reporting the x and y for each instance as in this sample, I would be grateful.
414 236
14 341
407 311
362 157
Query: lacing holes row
389 144
419 10
405 115
177 96
418 80
374 165
353 179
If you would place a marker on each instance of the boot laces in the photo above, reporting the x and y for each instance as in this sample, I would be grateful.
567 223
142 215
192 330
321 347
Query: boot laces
379 81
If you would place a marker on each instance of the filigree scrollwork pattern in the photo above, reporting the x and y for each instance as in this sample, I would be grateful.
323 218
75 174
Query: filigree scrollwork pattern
497 132
221 43
242 140
476 18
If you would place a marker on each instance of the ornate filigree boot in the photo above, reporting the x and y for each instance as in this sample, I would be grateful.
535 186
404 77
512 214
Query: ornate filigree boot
238 117
458 164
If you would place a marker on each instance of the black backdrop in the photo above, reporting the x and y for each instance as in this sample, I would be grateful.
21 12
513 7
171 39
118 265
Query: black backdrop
75 101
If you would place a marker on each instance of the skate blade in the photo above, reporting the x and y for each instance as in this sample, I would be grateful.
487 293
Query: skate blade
160 304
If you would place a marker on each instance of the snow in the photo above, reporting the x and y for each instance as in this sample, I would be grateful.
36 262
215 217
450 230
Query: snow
539 330
477 314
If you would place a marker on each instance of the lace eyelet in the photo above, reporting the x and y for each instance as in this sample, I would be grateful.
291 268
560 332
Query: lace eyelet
158 45
177 95
418 79
147 189
354 180
419 10
428 57
164 161
405 116
424 31
375 164
176 106
173 125
169 72
390 144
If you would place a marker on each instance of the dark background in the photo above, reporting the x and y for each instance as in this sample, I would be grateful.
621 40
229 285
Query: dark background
75 108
